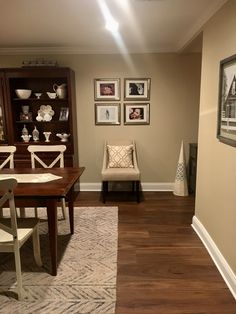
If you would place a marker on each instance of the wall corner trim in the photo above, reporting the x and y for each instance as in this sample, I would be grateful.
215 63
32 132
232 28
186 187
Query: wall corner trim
219 260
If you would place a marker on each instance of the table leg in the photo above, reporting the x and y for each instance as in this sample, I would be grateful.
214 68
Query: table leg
52 230
71 216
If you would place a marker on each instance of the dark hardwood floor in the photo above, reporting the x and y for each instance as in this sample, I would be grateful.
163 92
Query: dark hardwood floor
163 268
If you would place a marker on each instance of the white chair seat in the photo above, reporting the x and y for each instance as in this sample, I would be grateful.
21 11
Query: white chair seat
23 232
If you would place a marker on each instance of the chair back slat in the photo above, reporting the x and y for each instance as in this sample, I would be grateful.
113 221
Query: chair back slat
10 159
33 149
8 186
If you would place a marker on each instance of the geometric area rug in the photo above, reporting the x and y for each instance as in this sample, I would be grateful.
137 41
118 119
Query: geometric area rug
87 267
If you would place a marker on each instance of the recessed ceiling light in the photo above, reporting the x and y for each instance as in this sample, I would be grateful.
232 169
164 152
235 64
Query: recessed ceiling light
112 25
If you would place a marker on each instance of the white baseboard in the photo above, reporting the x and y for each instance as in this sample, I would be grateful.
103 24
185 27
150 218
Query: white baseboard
219 260
153 186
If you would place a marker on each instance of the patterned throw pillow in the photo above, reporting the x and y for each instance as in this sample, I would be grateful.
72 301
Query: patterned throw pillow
120 156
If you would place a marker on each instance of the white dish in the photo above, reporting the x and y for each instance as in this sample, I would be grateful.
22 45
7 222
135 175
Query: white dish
23 93
45 113
38 95
52 95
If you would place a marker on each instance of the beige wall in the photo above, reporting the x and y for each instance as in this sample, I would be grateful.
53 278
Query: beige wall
216 180
174 105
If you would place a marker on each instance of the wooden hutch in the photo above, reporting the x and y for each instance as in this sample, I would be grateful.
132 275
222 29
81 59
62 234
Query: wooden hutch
39 80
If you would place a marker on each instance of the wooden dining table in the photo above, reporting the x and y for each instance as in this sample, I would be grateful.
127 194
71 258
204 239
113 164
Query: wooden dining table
46 194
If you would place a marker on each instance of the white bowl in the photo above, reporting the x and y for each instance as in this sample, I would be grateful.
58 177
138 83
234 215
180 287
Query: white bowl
52 95
23 93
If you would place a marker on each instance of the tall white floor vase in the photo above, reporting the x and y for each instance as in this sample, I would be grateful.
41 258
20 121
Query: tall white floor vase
181 185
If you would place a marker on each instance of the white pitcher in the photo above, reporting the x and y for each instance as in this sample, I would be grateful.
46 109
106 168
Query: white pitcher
60 90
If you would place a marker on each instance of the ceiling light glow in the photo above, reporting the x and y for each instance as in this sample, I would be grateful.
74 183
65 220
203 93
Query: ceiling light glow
111 24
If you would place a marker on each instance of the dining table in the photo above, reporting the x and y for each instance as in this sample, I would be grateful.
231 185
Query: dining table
42 187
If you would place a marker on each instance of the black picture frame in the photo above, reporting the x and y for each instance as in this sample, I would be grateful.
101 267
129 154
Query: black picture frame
64 114
226 124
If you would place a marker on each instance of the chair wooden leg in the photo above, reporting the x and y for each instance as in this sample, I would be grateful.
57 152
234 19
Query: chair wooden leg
36 212
36 247
22 212
137 183
63 208
133 186
104 190
18 271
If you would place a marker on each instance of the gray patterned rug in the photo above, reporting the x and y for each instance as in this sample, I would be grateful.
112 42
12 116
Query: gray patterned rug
86 279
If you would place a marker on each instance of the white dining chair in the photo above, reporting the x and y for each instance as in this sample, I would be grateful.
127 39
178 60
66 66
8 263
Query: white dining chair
35 150
7 160
13 233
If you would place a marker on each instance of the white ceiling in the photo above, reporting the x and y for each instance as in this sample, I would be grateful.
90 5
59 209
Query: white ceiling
78 26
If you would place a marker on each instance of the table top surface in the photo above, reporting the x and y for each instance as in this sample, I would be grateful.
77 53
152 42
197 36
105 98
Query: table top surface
56 188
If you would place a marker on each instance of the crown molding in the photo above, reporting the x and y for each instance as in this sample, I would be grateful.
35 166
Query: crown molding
193 32
77 50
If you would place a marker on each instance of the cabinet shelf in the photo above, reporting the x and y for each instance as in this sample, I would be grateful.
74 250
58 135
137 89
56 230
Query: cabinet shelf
41 99
31 142
41 122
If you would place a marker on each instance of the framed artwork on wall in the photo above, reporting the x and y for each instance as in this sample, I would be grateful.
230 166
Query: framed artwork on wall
106 89
137 88
136 113
107 114
226 126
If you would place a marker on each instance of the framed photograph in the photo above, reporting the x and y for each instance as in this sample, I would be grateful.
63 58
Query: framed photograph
107 89
106 114
137 89
226 128
137 113
64 114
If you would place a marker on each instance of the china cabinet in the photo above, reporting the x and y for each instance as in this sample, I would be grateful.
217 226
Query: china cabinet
39 111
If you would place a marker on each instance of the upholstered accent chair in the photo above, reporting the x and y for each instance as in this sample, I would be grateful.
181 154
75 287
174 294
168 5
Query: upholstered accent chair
120 164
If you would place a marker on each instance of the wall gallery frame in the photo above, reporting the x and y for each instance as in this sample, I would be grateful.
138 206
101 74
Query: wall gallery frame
107 114
106 89
136 113
226 126
137 88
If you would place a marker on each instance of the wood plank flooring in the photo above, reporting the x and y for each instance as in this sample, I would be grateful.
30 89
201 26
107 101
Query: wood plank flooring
163 268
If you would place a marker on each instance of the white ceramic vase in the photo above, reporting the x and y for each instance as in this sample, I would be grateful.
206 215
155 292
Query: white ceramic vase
47 135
